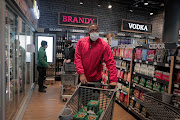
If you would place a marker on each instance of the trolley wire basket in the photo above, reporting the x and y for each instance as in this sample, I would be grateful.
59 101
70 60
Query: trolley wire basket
84 94
159 110
69 79
69 67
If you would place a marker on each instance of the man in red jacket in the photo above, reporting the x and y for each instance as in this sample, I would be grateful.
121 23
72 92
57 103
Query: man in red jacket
89 55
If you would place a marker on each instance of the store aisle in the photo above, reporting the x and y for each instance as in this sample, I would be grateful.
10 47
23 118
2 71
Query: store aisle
46 106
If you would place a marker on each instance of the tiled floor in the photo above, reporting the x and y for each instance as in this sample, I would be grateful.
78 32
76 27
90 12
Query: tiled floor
46 106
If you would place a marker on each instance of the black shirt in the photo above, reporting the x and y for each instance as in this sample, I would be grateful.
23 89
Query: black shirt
69 53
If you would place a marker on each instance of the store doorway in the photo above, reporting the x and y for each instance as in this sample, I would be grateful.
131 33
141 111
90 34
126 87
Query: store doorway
50 51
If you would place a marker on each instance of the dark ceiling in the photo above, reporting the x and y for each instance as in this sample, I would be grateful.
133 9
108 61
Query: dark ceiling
153 5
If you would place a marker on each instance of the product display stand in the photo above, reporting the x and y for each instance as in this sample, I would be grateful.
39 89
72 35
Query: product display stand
150 75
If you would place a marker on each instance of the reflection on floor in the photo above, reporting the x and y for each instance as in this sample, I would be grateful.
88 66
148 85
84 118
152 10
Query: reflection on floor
46 106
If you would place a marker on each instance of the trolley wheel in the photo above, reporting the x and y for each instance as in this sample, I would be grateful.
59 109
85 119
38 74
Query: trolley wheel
64 99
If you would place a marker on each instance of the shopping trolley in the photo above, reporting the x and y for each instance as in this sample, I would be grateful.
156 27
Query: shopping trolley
84 94
158 110
69 81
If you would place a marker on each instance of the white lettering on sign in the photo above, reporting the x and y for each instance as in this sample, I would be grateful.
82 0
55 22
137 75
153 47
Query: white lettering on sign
138 36
138 27
156 46
126 46
55 29
81 31
121 34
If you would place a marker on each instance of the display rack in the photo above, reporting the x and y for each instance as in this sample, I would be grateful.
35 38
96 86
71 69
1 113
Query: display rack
167 66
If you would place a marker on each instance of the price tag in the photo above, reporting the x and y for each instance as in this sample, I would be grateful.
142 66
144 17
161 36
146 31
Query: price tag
166 65
176 85
135 60
126 82
177 67
134 85
134 73
119 79
154 79
133 98
121 91
146 62
155 63
140 61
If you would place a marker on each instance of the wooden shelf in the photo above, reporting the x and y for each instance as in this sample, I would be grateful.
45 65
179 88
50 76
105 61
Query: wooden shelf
123 81
153 63
151 78
139 87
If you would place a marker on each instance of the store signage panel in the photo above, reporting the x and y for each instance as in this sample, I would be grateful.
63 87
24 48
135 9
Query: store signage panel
78 20
162 46
134 26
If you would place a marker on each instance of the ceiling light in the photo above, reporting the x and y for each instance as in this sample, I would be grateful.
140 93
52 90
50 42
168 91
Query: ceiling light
109 6
99 5
131 10
146 2
151 13
81 3
162 4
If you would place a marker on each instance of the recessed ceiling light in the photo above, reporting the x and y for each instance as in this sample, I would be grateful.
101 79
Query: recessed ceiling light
131 10
99 5
151 13
146 2
162 4
109 6
81 3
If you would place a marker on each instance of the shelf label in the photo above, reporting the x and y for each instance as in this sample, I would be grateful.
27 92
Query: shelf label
134 73
177 67
176 85
140 61
154 79
134 85
146 62
166 65
126 82
155 63
119 79
133 98
135 60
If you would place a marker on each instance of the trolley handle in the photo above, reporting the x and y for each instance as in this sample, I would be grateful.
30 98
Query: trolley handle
97 84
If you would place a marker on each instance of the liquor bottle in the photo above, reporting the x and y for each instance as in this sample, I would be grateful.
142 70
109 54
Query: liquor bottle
61 39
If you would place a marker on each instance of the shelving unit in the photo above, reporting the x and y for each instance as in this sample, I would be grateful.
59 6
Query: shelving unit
169 66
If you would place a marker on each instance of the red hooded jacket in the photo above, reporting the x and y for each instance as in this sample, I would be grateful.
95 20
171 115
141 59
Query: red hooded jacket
89 58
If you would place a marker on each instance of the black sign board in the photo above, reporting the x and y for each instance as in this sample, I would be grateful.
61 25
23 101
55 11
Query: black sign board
134 26
78 20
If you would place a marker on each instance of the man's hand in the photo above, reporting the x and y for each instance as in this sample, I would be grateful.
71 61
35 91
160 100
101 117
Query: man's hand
113 83
64 60
83 79
68 61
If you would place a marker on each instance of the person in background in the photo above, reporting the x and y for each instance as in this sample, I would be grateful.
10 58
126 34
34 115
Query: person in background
22 61
69 52
89 55
42 65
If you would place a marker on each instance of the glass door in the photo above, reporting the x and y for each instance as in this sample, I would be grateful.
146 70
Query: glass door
11 65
